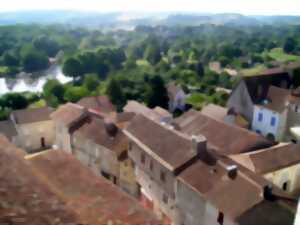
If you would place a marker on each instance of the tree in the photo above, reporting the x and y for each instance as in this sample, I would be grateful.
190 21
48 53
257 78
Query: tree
15 101
34 60
74 94
46 44
91 82
72 68
289 45
156 94
10 60
115 93
53 92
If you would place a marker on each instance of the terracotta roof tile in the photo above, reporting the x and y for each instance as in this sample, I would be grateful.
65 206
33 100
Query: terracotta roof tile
8 129
32 115
98 103
224 138
68 113
215 112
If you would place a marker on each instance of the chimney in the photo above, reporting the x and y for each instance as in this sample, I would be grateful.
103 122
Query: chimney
232 171
199 145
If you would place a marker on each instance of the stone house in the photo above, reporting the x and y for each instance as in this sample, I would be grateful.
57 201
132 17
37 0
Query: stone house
253 89
34 127
102 146
224 139
220 192
97 140
8 129
158 114
279 164
159 154
176 97
277 114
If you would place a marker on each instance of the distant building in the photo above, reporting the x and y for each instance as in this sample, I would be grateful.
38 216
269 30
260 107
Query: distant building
160 153
224 138
279 164
98 103
277 114
176 97
253 89
34 127
158 114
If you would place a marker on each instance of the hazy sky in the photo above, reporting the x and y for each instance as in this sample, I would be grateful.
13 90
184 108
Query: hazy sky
250 7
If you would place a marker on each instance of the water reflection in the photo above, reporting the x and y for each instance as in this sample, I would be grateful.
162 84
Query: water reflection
33 82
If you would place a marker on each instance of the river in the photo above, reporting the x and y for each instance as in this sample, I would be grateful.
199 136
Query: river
32 82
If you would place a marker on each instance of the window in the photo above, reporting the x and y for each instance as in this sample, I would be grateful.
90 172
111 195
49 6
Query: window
260 117
165 199
221 218
273 121
151 165
258 131
143 158
285 186
162 176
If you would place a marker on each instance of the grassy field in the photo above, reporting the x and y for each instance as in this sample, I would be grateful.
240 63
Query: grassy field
279 55
254 70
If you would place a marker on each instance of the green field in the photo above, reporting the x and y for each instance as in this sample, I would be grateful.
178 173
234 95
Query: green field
279 55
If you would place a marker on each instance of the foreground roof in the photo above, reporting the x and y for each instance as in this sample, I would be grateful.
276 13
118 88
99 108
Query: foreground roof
224 138
92 197
98 103
25 198
8 129
234 196
165 144
270 159
32 115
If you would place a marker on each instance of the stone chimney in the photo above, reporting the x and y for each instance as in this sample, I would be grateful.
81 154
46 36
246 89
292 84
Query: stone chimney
199 145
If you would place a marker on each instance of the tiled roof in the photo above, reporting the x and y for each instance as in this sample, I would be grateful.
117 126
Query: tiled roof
233 196
68 113
103 133
98 103
270 159
32 115
8 129
215 111
138 108
224 138
24 198
170 146
93 198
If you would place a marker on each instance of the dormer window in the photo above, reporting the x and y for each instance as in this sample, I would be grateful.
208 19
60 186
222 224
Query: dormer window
260 117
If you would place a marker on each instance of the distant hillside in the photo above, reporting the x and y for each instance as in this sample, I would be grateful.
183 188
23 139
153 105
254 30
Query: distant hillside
123 20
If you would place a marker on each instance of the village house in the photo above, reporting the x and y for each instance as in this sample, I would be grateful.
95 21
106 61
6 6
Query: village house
97 140
223 138
53 187
35 129
158 114
218 191
253 89
278 114
8 129
176 97
279 164
160 153
97 103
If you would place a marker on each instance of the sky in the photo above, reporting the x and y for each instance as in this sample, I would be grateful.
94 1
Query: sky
247 7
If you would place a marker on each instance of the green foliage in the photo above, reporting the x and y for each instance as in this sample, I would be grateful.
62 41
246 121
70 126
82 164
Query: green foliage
33 59
115 93
289 45
53 92
156 94
91 82
74 94
14 101
47 45
72 67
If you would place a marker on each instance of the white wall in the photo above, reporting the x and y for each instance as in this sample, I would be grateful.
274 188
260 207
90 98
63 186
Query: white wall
264 126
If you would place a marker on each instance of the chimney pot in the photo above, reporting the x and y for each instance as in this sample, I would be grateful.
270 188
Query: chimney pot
232 171
198 144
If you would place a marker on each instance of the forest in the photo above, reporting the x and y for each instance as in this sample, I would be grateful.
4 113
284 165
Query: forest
137 64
